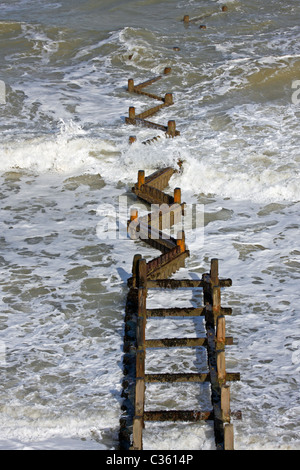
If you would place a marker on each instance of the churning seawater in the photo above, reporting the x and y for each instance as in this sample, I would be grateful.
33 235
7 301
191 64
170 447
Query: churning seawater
64 152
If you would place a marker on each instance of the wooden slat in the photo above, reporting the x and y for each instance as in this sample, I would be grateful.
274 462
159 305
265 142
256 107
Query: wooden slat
137 433
148 233
144 123
175 342
164 259
181 312
175 312
164 217
228 437
151 111
181 342
147 82
174 283
153 195
169 267
189 377
184 415
178 415
174 378
183 283
150 95
158 176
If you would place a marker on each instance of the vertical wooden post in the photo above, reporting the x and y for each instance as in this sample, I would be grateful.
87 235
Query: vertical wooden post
139 397
142 273
216 300
130 85
171 128
228 437
221 333
135 269
169 99
141 320
177 196
221 367
140 363
141 178
131 112
137 433
132 139
181 241
225 403
186 19
138 422
214 272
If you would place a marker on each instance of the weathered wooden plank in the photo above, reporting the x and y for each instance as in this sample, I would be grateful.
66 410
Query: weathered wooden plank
145 123
135 268
182 312
147 82
139 397
162 217
184 415
141 280
137 433
174 283
160 178
151 111
188 377
150 233
174 378
140 363
186 283
228 437
150 95
162 260
136 121
178 415
175 342
161 244
181 342
216 366
169 267
220 328
214 272
153 195
175 312
225 403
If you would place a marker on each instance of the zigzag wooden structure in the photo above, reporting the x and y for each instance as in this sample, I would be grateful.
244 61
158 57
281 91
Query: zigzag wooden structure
167 211
140 119
156 274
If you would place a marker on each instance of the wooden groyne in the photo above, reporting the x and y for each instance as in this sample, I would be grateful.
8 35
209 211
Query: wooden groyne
140 119
188 21
167 210
156 274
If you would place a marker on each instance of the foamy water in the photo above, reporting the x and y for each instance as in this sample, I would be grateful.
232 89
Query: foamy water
64 152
